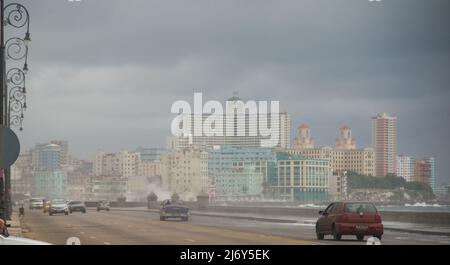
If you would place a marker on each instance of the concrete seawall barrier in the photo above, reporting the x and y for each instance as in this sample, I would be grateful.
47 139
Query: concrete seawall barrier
410 217
434 218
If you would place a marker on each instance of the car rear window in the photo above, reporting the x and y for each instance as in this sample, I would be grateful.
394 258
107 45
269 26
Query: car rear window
359 207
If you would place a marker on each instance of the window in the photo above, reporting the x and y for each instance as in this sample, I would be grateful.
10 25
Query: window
330 208
360 208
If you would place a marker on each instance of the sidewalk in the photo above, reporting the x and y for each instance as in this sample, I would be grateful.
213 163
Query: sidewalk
15 229
392 226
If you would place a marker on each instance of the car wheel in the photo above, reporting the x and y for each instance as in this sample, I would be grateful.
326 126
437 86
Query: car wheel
379 237
319 235
84 211
360 237
107 210
98 210
70 212
336 236
66 213
50 214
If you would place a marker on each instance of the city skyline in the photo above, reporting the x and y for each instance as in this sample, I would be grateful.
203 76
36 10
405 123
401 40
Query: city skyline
344 131
325 70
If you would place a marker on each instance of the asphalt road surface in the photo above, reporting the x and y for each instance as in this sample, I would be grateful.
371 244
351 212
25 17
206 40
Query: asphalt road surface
138 227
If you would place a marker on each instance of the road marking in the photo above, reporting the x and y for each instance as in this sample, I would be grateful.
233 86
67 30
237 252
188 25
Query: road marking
107 243
92 237
190 240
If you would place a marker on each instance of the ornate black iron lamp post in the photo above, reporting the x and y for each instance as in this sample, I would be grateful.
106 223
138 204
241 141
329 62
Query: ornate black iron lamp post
12 83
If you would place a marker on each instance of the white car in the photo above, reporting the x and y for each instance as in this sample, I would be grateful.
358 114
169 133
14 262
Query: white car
36 203
58 206
12 240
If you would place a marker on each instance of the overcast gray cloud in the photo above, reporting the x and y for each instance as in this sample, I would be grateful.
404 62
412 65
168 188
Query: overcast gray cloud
104 73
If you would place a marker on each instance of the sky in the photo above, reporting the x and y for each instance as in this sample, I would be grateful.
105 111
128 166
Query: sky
104 73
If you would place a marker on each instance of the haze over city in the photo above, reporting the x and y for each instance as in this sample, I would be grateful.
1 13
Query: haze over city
105 73
230 129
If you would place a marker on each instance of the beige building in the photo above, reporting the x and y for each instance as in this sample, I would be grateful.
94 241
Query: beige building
345 141
149 168
122 163
185 172
303 139
344 157
384 142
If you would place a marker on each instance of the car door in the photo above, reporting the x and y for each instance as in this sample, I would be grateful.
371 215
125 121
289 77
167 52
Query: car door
333 216
324 221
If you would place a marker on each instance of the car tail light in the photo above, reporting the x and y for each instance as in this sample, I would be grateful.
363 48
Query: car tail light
378 218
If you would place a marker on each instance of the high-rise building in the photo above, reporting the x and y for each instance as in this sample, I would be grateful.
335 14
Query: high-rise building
64 151
46 157
238 128
384 142
344 157
405 167
185 172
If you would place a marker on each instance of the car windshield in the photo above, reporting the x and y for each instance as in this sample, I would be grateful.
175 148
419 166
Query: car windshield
36 200
360 208
58 201
75 202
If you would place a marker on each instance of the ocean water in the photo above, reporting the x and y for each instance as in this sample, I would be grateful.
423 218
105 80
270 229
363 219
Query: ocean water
416 207
407 207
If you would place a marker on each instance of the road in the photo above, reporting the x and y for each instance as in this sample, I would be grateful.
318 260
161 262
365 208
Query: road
139 227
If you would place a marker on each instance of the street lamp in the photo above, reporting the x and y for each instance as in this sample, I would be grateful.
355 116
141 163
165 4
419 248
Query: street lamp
12 84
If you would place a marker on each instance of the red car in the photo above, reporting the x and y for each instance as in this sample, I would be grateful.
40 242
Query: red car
349 218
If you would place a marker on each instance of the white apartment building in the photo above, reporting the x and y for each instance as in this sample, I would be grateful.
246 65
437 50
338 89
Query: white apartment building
235 127
185 172
405 167
122 163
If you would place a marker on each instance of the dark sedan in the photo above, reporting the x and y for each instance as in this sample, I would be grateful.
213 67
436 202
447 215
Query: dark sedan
173 209
77 206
